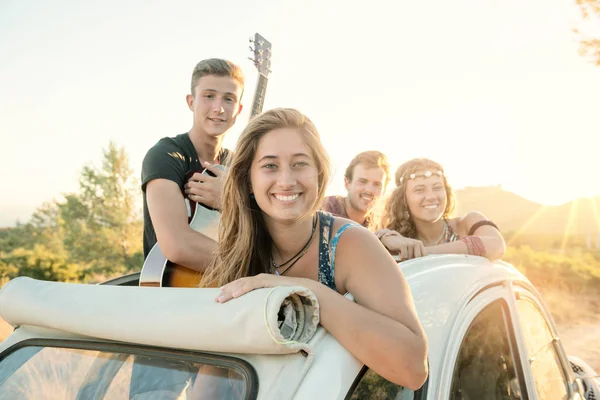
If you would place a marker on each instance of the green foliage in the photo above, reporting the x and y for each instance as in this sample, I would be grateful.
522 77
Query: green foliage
590 43
554 261
95 232
374 387
574 270
40 263
551 242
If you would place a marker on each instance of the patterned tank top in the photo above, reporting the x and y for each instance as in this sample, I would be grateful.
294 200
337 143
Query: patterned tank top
450 236
327 246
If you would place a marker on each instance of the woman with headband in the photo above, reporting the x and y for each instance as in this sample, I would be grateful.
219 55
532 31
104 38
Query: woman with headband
416 219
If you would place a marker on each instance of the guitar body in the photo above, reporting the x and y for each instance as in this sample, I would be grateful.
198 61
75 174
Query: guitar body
157 270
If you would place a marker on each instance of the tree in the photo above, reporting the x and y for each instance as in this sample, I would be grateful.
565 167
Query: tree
103 228
96 231
40 263
590 43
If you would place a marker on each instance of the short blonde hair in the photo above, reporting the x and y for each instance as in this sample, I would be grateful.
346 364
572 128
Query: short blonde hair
216 67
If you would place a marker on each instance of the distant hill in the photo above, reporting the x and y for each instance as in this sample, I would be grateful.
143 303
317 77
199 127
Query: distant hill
512 212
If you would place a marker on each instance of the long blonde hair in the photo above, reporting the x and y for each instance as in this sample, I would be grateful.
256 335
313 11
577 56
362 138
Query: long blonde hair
244 247
396 215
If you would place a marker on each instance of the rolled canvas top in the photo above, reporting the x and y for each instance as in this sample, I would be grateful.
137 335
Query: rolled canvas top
278 320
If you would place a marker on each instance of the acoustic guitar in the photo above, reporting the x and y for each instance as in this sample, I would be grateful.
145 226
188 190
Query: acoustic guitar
157 270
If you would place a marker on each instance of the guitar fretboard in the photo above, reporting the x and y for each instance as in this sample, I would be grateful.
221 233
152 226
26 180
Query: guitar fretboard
259 95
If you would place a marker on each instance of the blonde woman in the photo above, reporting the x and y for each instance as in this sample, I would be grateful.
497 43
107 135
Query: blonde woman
272 234
416 218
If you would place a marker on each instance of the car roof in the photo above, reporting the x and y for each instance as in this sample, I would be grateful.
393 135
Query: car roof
450 275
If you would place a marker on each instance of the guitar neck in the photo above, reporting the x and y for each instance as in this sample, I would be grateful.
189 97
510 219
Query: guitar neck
259 95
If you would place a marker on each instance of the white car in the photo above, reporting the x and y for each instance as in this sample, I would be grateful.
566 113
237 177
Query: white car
489 333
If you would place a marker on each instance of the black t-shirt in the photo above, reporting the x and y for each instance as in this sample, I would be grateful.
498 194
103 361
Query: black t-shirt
170 158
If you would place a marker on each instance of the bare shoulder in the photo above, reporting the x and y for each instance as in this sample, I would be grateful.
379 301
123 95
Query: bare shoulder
338 222
360 257
354 233
463 224
356 242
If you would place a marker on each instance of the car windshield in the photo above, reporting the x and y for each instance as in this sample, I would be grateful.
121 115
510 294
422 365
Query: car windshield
36 372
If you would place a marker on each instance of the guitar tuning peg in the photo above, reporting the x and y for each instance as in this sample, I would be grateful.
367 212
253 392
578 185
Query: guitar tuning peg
251 39
251 49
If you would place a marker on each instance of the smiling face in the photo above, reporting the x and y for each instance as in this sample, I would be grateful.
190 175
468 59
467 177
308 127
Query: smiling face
426 197
215 104
284 175
365 187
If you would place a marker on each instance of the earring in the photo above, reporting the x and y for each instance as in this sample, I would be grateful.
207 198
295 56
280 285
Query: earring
252 196
406 214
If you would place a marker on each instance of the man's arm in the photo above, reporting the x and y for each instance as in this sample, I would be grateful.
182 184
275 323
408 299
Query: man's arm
178 242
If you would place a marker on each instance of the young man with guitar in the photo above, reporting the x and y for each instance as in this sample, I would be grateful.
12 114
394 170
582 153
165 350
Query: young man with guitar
215 101
182 176
179 172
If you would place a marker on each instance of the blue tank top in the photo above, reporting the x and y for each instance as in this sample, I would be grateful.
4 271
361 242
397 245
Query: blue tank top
327 246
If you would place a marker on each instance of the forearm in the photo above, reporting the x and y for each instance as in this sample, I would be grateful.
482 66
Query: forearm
494 248
192 249
179 243
392 349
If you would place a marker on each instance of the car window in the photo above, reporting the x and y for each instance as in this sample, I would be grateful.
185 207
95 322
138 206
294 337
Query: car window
374 387
34 372
485 366
550 382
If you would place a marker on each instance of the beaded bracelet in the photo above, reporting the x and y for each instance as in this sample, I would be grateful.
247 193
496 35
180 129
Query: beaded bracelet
474 245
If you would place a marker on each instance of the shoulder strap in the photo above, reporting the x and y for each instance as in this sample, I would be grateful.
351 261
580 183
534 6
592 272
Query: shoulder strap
327 247
451 236
335 240
326 224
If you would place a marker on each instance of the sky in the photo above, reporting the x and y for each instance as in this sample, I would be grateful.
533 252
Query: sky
494 90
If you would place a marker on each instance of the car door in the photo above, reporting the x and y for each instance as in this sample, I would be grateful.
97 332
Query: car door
481 359
546 366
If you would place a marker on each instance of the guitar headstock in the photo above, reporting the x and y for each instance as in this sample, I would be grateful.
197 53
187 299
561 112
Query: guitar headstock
261 54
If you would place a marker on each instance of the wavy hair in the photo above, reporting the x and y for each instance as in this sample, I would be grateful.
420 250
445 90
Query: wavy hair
395 214
370 159
244 242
